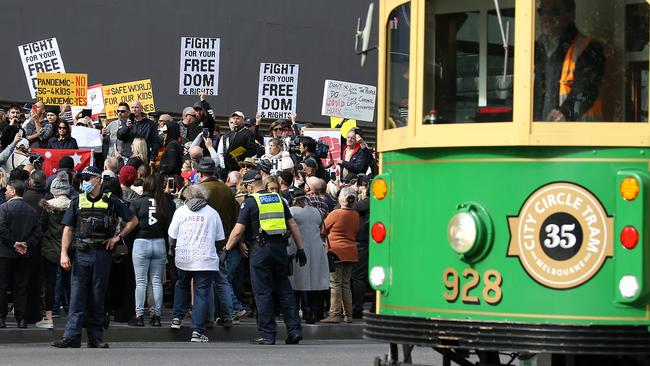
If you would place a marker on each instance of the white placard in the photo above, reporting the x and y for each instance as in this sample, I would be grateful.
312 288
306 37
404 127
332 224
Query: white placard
87 138
40 56
349 100
95 101
278 90
199 66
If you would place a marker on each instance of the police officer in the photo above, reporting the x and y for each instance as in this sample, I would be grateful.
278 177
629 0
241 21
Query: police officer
91 220
264 221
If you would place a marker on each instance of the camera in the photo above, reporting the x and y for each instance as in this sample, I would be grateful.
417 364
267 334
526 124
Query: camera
36 160
294 145
132 117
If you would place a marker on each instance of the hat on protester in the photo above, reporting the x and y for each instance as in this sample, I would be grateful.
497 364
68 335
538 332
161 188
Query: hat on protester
53 109
265 165
237 113
249 161
249 122
252 176
66 162
286 177
110 173
299 194
287 162
60 185
86 113
198 105
127 175
310 163
206 165
22 144
28 106
91 171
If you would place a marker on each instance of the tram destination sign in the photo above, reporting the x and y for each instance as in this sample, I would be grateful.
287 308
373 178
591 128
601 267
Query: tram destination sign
349 100
40 57
278 90
199 66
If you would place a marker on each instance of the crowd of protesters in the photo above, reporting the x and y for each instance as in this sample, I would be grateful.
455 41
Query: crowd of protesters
171 174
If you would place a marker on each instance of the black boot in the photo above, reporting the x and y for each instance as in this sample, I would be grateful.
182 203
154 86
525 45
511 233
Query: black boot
3 324
137 321
155 321
66 343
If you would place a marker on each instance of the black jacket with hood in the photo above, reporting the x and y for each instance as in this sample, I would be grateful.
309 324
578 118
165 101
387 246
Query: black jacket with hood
171 160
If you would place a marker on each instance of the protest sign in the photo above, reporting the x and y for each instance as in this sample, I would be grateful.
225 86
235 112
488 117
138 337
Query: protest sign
60 89
87 138
332 138
199 66
343 126
128 92
95 101
278 90
51 157
40 56
349 100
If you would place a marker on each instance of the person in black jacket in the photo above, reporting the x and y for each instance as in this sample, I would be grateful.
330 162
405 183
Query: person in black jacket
142 127
20 236
236 144
154 211
62 138
354 158
10 126
171 160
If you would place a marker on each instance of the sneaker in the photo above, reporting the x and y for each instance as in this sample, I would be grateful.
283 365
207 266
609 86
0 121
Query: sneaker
198 337
45 324
227 323
238 314
176 323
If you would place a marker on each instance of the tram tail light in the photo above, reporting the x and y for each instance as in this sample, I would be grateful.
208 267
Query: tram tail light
629 237
378 232
379 189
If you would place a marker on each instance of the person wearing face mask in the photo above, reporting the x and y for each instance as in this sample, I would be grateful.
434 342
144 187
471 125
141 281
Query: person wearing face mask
90 227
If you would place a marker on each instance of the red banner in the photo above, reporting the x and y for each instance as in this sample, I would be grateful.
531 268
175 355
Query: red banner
51 157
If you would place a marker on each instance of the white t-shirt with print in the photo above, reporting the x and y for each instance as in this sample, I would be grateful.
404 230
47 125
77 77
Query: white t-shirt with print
196 233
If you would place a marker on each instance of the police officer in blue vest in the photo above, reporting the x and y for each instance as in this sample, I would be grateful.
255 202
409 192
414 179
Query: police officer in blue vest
90 225
264 223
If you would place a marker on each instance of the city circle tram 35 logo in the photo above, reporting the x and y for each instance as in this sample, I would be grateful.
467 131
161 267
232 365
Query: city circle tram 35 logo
562 235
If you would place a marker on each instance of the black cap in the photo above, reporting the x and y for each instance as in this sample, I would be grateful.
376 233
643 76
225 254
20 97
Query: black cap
91 171
287 177
252 176
53 109
310 162
206 165
198 105
249 122
265 165
28 106
86 112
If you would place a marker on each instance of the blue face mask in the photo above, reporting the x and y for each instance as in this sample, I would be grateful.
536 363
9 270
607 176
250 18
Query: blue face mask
87 186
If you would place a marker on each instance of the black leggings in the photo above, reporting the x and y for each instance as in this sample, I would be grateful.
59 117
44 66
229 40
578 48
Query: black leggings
49 283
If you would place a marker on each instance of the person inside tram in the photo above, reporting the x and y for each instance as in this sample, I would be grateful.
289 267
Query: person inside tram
569 67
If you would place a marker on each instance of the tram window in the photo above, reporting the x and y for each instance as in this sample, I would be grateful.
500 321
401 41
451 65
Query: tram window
399 33
591 61
466 78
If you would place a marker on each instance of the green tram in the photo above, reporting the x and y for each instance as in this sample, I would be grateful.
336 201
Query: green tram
510 214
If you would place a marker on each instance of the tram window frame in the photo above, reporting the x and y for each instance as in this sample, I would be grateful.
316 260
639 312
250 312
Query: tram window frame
398 31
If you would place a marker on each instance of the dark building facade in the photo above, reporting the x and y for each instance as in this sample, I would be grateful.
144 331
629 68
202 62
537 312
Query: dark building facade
116 41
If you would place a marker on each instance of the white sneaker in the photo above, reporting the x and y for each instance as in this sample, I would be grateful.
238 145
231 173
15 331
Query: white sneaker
198 338
176 323
238 314
45 324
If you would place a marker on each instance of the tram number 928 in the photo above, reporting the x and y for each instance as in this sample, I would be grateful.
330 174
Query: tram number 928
491 288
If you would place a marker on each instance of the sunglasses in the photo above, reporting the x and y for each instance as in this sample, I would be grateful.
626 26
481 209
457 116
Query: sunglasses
63 127
122 111
277 129
549 11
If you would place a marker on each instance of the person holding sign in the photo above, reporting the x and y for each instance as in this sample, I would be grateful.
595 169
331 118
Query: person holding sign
355 156
137 125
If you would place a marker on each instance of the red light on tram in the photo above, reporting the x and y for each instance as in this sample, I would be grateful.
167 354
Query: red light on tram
378 232
629 237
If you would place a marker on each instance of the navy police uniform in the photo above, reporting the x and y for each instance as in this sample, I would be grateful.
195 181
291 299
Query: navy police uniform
93 221
269 263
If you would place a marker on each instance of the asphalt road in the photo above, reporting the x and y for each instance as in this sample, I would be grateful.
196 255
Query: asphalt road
312 352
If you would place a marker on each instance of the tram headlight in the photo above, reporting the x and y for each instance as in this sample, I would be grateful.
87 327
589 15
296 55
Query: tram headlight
377 276
628 286
462 232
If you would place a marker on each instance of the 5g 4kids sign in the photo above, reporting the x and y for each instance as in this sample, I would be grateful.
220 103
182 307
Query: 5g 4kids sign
562 235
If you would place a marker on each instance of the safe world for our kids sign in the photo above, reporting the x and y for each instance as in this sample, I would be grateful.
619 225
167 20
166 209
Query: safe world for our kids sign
60 89
199 66
128 92
349 100
40 57
278 90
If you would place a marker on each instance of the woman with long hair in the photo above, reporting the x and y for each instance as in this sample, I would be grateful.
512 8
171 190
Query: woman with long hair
62 138
140 149
154 211
341 228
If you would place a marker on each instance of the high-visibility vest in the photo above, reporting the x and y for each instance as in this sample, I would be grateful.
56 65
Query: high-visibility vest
272 220
580 43
97 212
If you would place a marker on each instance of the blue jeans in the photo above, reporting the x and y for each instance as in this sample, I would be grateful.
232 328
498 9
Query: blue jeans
91 270
148 258
202 282
231 263
224 294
